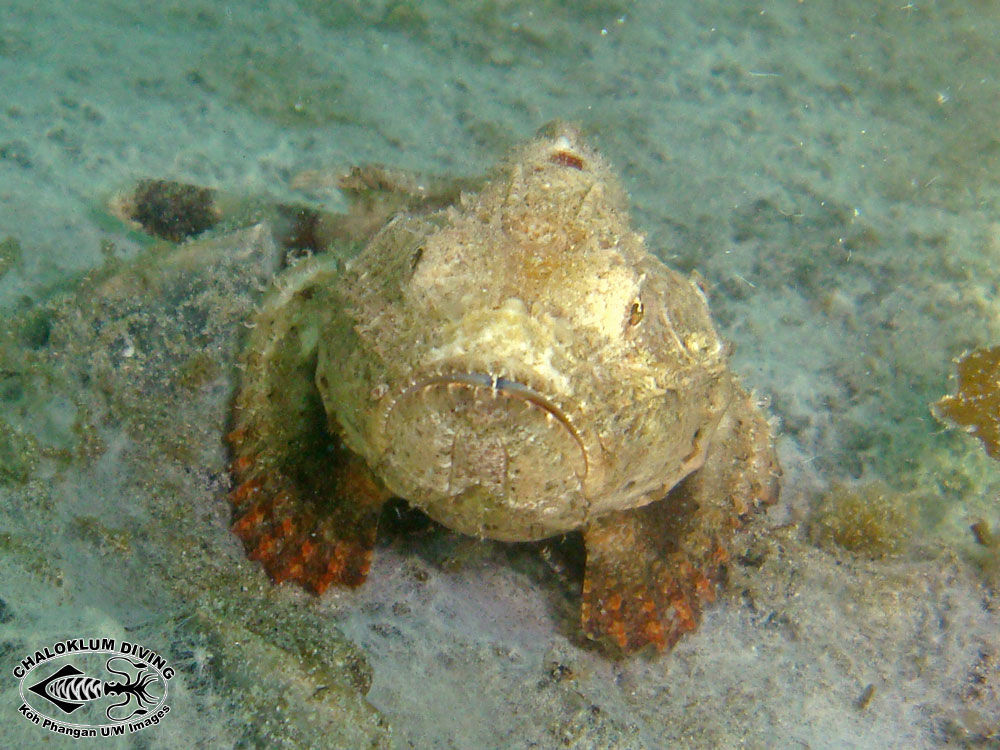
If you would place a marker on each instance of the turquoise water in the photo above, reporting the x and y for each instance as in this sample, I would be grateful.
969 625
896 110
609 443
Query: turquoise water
829 169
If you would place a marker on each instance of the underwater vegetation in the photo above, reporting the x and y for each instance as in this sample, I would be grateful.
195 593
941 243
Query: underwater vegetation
869 519
10 254
987 555
976 405
18 454
171 210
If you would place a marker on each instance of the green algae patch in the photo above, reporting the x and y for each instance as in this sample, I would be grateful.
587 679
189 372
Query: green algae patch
870 520
32 558
18 454
107 541
986 555
201 369
10 254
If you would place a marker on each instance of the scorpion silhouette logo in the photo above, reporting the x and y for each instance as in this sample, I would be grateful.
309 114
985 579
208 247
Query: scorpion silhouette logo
69 688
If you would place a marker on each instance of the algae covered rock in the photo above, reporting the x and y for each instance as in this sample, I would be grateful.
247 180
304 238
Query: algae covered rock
117 494
975 407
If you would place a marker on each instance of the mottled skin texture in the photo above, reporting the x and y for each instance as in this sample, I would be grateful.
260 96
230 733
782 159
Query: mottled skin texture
518 366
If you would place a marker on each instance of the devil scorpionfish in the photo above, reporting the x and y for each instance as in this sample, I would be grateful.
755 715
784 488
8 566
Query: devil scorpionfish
517 366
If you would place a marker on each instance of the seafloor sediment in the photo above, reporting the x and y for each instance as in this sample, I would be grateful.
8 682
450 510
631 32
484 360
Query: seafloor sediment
829 170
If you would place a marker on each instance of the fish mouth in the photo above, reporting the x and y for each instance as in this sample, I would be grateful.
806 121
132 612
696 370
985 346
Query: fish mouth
477 450
499 386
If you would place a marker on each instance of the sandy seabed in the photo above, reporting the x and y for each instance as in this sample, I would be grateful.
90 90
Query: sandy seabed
828 168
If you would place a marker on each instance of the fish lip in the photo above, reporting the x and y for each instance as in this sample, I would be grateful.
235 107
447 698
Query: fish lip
502 386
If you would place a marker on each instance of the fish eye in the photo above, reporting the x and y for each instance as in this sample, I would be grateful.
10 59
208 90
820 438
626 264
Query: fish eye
635 313
566 158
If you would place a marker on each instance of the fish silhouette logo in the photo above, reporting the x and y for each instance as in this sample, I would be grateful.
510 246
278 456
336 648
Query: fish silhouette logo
69 688
60 696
